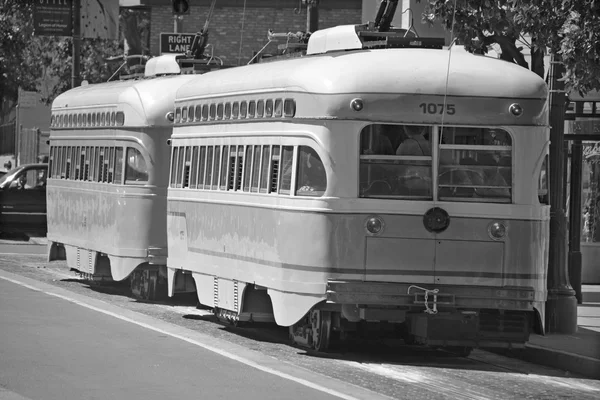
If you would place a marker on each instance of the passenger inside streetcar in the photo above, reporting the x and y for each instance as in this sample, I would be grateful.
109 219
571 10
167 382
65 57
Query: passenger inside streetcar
312 177
414 178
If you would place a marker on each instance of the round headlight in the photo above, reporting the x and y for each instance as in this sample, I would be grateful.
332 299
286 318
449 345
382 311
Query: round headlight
516 109
170 116
497 230
357 104
374 225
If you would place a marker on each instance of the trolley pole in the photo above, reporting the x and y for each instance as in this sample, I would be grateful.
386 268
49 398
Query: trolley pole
312 15
575 219
561 305
75 74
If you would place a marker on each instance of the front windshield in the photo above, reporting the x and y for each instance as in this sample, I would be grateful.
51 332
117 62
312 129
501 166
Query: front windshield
9 175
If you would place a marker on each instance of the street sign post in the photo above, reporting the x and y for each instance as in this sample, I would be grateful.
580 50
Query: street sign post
176 42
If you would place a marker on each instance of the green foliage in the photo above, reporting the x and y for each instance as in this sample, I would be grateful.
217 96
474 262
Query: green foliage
43 63
569 29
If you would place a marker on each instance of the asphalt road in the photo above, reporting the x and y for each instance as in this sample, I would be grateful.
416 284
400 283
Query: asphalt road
51 348
9 247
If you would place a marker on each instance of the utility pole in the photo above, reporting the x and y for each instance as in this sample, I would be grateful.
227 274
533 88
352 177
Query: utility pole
177 23
561 305
75 74
312 15
575 219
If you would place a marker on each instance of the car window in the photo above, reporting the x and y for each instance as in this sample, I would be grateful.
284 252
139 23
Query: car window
33 178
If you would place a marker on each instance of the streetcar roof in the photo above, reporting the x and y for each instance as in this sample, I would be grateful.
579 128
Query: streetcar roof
145 99
408 70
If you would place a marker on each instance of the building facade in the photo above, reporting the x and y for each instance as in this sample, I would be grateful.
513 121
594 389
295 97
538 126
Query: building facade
238 28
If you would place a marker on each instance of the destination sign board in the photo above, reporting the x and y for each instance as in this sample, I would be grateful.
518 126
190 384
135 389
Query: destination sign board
176 42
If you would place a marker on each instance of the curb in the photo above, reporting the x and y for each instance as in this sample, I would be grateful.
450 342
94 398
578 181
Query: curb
574 363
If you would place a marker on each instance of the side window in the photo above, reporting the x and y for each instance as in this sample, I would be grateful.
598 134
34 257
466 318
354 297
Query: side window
202 167
51 161
232 168
543 195
69 163
119 166
136 170
194 167
239 168
278 108
180 164
187 165
275 169
269 108
111 165
256 169
30 179
216 164
264 169
209 168
475 164
260 108
287 156
224 158
247 170
96 166
77 163
86 164
396 161
174 154
311 178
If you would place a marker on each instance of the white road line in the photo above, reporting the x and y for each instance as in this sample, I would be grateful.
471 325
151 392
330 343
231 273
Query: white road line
197 343
6 394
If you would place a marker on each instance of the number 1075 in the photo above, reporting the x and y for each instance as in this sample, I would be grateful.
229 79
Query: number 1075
433 108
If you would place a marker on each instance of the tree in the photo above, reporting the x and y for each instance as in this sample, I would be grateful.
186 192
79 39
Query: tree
43 63
569 29
14 71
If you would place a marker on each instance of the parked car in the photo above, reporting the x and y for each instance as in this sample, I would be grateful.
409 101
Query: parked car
23 200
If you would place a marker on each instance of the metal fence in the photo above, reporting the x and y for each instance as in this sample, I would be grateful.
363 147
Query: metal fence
7 138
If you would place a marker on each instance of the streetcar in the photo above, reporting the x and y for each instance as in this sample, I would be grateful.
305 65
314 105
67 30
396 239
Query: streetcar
108 174
371 183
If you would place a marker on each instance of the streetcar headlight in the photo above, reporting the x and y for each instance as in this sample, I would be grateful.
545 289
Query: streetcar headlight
516 109
357 104
497 230
170 116
374 225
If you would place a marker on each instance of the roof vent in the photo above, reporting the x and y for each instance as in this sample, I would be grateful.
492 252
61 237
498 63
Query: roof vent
357 37
163 65
343 37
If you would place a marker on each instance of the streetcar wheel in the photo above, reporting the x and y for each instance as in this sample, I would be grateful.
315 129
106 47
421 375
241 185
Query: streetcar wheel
321 329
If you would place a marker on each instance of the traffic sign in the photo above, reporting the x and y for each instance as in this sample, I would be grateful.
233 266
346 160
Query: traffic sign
176 42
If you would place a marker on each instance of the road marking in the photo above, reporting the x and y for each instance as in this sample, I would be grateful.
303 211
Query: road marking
223 353
6 394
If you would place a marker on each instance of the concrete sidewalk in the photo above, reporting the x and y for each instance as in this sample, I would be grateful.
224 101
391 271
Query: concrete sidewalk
578 353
